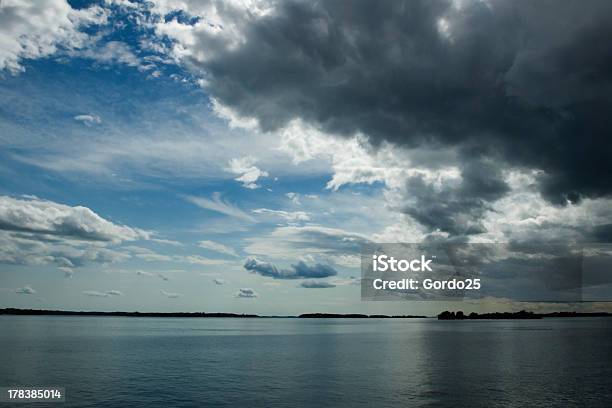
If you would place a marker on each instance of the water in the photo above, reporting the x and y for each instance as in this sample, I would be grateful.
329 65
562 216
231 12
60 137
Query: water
119 362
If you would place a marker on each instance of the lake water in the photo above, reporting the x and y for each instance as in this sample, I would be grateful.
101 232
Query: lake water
120 362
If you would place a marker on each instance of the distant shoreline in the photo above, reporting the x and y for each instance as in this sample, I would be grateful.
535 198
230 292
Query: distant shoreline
41 312
446 315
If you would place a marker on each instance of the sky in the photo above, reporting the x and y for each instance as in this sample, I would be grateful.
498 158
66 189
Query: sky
176 155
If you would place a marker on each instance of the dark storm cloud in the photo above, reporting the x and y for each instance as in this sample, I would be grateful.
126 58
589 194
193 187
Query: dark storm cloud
296 271
316 271
456 209
603 233
527 83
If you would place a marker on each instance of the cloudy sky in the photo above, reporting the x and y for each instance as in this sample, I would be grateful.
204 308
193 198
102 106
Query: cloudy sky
234 156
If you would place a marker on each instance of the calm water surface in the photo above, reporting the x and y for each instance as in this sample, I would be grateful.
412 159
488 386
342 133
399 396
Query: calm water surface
119 362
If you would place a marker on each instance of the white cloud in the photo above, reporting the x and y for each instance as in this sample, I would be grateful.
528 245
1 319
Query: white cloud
233 119
171 295
524 215
36 216
150 154
127 149
147 255
346 260
248 173
217 247
351 280
88 119
200 260
166 242
109 293
220 25
291 216
157 274
112 52
26 290
40 232
33 249
30 30
246 293
354 161
68 272
294 197
316 284
296 242
217 204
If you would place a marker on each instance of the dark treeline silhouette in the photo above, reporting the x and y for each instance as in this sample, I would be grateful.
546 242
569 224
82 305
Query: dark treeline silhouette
33 312
446 315
355 316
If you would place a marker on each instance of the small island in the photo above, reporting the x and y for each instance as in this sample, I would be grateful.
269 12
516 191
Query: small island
446 315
